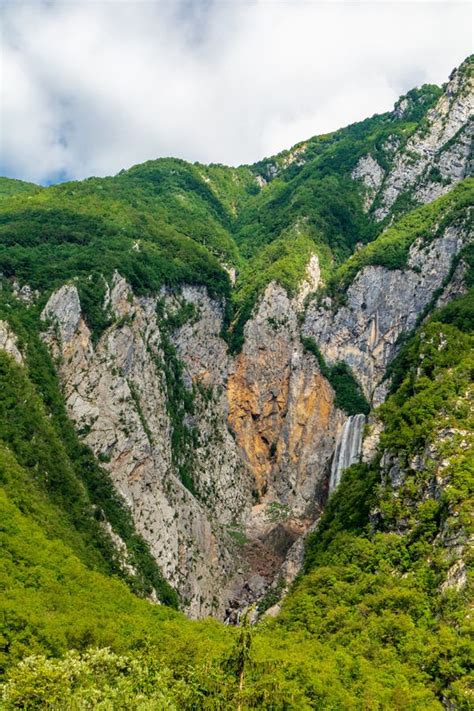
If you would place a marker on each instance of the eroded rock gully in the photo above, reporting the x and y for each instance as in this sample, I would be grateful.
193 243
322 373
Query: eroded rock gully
264 422
265 427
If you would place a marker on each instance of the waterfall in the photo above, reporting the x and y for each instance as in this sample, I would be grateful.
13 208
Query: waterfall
348 448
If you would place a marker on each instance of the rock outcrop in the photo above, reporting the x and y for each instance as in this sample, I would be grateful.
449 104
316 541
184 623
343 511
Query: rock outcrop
380 306
264 427
432 470
116 394
439 153
9 342
281 408
371 174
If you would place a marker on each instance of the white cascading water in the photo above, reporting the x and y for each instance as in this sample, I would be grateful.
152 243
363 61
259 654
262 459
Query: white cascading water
348 448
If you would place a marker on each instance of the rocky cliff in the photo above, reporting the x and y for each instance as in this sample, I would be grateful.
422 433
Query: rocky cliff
381 305
224 457
262 425
435 157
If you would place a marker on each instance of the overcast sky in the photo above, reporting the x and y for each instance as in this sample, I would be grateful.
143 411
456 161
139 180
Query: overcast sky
88 87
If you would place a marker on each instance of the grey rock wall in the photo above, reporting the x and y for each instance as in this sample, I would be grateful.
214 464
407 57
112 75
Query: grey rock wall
381 305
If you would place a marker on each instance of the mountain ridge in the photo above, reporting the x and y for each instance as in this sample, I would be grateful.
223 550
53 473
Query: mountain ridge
192 354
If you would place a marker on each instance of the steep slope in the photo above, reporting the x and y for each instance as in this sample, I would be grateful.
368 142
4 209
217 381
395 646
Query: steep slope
379 618
439 153
36 432
191 357
380 293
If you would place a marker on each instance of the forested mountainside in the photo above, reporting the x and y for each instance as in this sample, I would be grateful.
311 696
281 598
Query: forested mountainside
245 394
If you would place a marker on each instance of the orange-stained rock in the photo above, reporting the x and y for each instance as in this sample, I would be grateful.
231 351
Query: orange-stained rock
281 409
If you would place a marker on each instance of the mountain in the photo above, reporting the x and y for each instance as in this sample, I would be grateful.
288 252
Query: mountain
244 393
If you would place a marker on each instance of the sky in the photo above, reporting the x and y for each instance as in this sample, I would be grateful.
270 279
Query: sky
90 87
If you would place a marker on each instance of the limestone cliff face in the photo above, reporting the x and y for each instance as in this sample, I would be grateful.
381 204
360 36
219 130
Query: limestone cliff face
9 343
265 427
438 154
115 393
371 174
221 478
380 306
280 406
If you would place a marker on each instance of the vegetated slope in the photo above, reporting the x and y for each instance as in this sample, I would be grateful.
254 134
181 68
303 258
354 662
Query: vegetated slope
378 619
391 248
369 625
10 186
171 222
60 469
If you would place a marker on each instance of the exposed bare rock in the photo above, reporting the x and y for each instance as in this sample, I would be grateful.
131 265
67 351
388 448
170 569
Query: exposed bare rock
438 154
296 155
371 174
456 286
222 480
65 309
25 293
310 283
9 342
273 611
280 406
456 578
381 305
265 426
115 394
371 439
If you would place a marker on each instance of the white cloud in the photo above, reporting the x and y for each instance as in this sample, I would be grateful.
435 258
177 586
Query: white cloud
92 87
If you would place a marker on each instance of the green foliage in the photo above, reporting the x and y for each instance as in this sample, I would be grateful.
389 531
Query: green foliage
459 313
179 401
347 511
92 291
35 427
272 596
52 602
95 679
312 347
276 512
349 395
157 224
427 420
376 561
10 187
417 101
431 375
392 247
283 261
